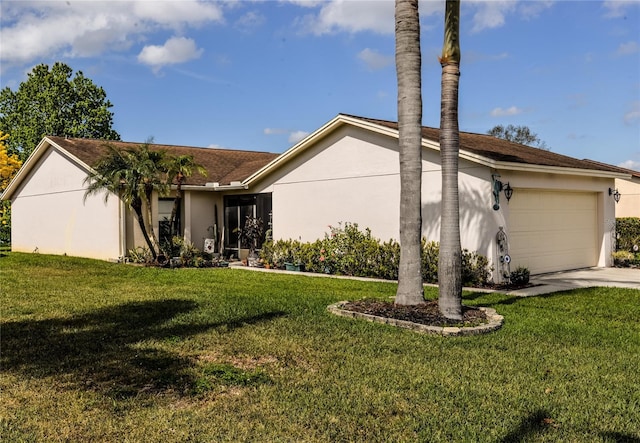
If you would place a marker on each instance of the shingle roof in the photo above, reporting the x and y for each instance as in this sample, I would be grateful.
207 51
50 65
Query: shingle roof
223 165
502 150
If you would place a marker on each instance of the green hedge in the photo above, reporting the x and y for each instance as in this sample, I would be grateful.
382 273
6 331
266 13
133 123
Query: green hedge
350 251
627 233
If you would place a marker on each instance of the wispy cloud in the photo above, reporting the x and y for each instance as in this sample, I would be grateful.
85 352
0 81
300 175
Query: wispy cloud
628 48
618 8
501 112
374 60
632 116
296 136
630 164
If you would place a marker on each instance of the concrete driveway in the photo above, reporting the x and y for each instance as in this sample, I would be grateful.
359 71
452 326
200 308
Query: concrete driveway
581 278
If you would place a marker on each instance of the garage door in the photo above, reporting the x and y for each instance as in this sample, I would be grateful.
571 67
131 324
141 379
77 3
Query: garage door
553 231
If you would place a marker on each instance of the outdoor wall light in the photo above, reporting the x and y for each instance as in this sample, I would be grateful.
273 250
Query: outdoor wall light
498 187
615 193
508 191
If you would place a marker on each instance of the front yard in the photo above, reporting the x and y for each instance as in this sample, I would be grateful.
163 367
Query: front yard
94 351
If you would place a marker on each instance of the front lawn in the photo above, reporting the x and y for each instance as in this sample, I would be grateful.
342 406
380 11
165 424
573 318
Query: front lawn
100 352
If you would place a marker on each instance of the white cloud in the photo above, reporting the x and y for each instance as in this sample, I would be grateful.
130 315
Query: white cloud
34 30
500 112
632 116
274 131
374 60
491 14
175 50
250 21
630 164
628 48
617 8
352 17
296 136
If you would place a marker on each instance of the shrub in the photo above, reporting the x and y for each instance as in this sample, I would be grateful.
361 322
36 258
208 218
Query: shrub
520 276
347 250
475 269
625 259
627 233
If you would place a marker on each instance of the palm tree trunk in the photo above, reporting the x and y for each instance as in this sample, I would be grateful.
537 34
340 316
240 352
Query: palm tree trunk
152 234
173 226
137 209
450 258
408 68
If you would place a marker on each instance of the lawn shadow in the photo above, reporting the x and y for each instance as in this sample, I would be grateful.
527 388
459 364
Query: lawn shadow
618 437
103 350
534 424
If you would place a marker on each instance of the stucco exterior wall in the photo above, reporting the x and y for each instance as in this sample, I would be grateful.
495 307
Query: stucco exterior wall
200 214
49 214
354 176
629 204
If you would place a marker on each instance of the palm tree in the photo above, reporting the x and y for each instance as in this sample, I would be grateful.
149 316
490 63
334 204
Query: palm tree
408 69
133 175
450 258
179 168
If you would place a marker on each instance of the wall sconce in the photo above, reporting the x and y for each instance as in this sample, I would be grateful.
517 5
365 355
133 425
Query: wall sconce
498 187
615 193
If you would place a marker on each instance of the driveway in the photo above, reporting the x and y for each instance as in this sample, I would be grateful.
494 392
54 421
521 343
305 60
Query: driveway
581 278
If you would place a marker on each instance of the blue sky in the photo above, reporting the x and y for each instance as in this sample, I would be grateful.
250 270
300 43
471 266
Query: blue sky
260 75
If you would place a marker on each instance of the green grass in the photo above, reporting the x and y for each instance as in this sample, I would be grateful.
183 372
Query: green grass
101 352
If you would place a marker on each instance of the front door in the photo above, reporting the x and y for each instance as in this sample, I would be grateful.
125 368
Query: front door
236 210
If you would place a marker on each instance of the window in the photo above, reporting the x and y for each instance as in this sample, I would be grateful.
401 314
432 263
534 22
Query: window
165 207
236 210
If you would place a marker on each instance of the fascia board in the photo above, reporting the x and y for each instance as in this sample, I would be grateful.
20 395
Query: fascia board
558 170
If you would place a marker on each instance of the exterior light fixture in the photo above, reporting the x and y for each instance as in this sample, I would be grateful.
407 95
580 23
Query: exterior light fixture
498 187
508 191
615 193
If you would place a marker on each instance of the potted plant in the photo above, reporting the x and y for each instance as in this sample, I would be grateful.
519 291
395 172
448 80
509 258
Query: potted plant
249 236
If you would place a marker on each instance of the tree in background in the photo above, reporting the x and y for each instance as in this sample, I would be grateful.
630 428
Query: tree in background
9 166
51 102
408 70
518 134
133 175
450 257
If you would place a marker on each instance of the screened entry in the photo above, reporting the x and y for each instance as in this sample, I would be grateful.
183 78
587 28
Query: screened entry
236 210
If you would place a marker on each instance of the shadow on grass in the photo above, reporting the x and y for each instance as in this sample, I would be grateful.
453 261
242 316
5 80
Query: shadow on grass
532 425
102 350
617 437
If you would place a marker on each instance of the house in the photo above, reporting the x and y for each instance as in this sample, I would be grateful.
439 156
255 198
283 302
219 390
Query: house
519 206
51 215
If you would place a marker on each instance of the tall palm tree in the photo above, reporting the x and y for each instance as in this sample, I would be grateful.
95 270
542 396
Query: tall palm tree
179 168
408 70
450 258
133 175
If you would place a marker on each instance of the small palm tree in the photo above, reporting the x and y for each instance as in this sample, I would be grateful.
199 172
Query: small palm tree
133 175
450 258
179 168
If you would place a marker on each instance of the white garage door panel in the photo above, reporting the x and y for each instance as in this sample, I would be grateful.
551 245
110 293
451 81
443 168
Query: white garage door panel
553 231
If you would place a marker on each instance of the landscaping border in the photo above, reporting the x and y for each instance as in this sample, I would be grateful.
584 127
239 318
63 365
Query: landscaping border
494 323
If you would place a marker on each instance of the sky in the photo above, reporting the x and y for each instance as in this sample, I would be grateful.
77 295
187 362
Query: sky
261 75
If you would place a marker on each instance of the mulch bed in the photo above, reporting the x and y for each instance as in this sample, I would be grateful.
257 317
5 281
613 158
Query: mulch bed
426 313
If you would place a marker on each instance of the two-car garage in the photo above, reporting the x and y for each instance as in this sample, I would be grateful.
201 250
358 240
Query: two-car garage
553 230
